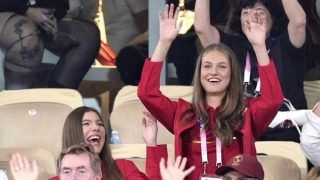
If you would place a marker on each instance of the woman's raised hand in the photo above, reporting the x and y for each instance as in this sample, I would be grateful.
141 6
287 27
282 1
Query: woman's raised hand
169 28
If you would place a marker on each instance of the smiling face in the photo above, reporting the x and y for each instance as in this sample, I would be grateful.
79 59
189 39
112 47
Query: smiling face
77 167
257 11
93 130
215 73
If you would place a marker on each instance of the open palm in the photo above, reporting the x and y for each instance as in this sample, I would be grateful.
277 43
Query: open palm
255 29
168 23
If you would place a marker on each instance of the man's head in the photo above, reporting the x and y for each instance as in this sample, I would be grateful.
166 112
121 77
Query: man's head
79 162
242 166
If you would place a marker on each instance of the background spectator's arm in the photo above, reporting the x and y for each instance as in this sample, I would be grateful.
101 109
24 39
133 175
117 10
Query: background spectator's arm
207 33
297 22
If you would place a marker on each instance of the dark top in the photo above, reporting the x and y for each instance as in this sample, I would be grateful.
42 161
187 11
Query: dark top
290 63
21 6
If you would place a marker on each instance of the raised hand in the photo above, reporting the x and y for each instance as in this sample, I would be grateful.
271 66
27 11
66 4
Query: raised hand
169 28
174 170
255 27
149 129
21 168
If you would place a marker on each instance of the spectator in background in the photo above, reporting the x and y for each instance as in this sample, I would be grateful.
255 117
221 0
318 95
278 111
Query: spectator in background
242 166
74 163
29 26
285 48
124 20
79 162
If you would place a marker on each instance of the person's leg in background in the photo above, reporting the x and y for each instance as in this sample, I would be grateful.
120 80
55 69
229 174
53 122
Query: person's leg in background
77 44
23 48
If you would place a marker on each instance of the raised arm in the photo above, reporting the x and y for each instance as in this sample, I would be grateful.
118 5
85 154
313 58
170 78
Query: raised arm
207 33
264 108
154 152
160 106
297 22
255 30
168 32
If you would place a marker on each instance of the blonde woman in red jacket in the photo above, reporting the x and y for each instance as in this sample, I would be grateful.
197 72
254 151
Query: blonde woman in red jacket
219 123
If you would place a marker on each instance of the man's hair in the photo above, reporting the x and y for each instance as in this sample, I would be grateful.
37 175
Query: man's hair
82 148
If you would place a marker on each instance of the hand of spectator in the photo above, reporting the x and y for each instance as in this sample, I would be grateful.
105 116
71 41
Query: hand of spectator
174 170
255 28
21 168
44 18
169 28
149 129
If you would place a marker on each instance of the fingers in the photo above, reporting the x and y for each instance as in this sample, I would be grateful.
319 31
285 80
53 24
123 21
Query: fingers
171 10
26 163
161 16
183 163
188 171
177 162
49 25
35 166
20 162
149 118
13 164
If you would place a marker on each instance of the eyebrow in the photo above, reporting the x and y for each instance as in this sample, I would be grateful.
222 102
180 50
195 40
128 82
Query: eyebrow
81 167
91 120
78 167
66 168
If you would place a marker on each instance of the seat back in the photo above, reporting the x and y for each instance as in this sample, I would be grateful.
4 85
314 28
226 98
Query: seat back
135 153
126 117
44 158
279 168
129 93
287 149
34 118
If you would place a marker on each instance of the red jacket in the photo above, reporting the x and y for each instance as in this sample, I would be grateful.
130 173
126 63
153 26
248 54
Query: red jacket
260 112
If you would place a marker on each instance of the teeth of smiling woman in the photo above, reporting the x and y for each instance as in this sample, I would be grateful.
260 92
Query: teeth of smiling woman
94 139
214 80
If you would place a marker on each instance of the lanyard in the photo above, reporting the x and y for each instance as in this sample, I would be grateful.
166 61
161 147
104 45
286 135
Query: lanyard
204 151
246 77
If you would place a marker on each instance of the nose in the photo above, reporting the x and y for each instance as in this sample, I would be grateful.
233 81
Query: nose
73 176
95 127
213 71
